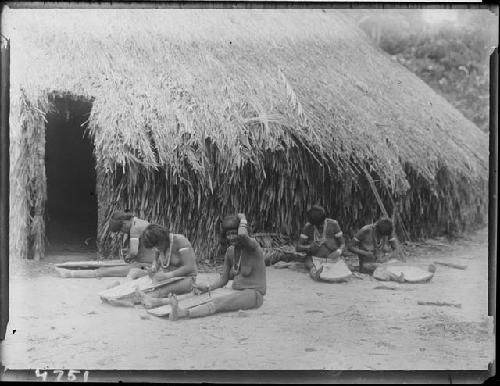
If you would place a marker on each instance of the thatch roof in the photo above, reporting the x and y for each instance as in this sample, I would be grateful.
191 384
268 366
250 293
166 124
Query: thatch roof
253 82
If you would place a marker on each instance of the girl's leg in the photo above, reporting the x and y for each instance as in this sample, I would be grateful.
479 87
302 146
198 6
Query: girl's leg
308 262
159 297
70 273
177 288
368 268
120 271
240 300
313 271
136 273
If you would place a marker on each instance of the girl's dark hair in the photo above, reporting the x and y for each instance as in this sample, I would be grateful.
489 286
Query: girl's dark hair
384 226
115 223
316 215
155 235
231 222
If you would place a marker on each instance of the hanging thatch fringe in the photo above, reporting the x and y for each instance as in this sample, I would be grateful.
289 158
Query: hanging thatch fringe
29 185
375 192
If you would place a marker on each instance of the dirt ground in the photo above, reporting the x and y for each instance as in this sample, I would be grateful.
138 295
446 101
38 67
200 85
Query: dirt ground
61 323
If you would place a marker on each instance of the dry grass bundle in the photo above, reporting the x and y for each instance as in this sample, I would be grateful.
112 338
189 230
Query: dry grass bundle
200 113
28 188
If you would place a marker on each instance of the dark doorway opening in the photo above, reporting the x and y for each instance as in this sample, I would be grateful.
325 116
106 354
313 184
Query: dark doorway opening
71 178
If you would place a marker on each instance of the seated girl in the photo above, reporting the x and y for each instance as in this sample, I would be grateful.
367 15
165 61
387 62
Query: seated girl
174 258
133 252
244 264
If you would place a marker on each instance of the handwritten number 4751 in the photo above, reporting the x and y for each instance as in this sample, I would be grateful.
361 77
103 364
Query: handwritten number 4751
60 374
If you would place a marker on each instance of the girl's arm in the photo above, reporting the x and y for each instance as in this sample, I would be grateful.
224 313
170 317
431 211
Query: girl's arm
355 249
224 276
187 268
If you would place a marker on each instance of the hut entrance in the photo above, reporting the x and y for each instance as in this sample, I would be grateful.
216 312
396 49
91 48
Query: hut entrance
71 178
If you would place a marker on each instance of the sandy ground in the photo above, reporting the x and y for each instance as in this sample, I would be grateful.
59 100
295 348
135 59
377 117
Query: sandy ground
61 323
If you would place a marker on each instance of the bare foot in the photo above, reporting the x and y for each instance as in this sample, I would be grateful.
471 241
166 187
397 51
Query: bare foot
138 296
315 272
149 302
174 304
176 312
120 302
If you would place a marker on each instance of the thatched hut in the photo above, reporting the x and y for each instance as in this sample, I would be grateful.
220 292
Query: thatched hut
193 114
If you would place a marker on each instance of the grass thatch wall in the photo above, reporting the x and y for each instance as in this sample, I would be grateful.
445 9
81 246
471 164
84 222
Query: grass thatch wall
198 113
28 191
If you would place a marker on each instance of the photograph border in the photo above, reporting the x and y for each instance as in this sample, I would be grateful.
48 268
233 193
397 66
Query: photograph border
256 376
